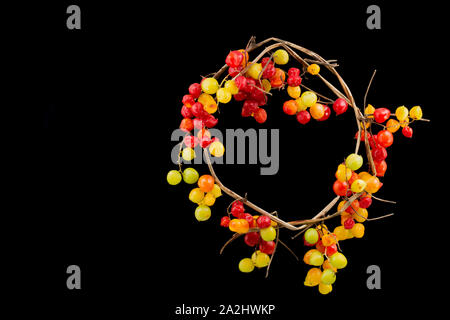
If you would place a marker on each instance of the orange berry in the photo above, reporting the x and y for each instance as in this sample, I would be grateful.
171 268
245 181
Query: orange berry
278 79
206 183
290 107
317 111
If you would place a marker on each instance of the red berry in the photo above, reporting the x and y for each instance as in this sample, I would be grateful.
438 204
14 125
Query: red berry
211 121
349 223
326 115
248 217
186 124
250 87
260 115
365 202
233 72
340 106
197 109
249 107
225 221
205 142
188 100
294 81
340 188
269 71
241 83
353 207
234 59
381 167
191 141
240 96
293 72
373 141
379 154
263 222
363 135
186 112
303 117
267 247
407 131
198 124
320 246
195 90
330 250
385 138
381 115
252 239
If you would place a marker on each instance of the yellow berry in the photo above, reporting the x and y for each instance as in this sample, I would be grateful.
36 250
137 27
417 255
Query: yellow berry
358 185
340 232
343 173
401 113
309 98
231 86
216 149
369 110
358 230
266 85
216 191
416 113
325 288
313 69
360 215
188 154
300 105
208 102
223 95
246 265
260 259
294 92
209 199
281 56
196 195
210 85
202 213
254 70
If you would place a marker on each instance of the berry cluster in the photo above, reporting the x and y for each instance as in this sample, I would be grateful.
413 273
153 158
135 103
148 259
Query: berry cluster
259 232
251 82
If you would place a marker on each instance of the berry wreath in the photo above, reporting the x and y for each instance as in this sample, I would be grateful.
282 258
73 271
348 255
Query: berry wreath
251 82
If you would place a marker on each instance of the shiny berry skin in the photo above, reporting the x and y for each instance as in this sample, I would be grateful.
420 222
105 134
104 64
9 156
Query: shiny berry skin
233 72
317 111
306 243
234 59
211 121
195 90
407 131
205 141
381 167
269 71
349 223
186 112
365 202
248 217
197 110
191 141
225 221
381 114
206 183
340 106
303 117
252 239
188 100
278 79
267 247
240 96
241 83
250 87
385 138
290 107
263 222
379 154
340 188
353 207
326 114
249 107
330 250
320 246
294 81
373 141
186 124
293 72
260 115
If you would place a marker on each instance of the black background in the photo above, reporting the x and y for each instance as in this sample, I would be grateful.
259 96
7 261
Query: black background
92 114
